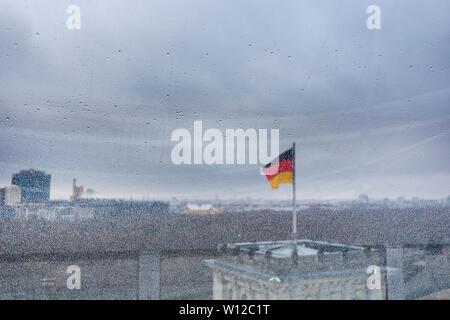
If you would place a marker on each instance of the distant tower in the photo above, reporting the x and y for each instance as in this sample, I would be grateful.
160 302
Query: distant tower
77 192
74 189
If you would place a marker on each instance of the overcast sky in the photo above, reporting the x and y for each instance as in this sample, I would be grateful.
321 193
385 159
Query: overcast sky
369 110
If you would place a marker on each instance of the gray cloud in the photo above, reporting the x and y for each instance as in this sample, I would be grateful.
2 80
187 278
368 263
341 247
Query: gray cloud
369 110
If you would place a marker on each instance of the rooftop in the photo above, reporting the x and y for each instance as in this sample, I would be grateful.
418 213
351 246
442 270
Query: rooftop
285 249
295 259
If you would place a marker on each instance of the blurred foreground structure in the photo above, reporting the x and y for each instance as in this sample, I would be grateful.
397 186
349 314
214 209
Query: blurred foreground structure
296 270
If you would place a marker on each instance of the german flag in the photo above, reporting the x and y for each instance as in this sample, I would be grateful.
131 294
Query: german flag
281 169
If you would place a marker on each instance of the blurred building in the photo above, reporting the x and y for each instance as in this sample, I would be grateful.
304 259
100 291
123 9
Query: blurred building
363 198
34 185
87 209
296 270
10 196
54 211
202 209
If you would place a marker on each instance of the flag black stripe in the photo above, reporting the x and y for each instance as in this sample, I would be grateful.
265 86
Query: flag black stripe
288 154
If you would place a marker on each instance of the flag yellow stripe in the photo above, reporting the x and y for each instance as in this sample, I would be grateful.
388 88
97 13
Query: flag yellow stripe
283 177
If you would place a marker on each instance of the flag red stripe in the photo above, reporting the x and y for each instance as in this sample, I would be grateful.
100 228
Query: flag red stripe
285 165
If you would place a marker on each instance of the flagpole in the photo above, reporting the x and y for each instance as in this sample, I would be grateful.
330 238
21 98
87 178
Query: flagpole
294 214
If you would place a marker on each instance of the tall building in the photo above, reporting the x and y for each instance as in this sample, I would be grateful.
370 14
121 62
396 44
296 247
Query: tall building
35 185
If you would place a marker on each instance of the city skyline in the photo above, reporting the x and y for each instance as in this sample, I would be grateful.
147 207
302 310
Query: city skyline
201 197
